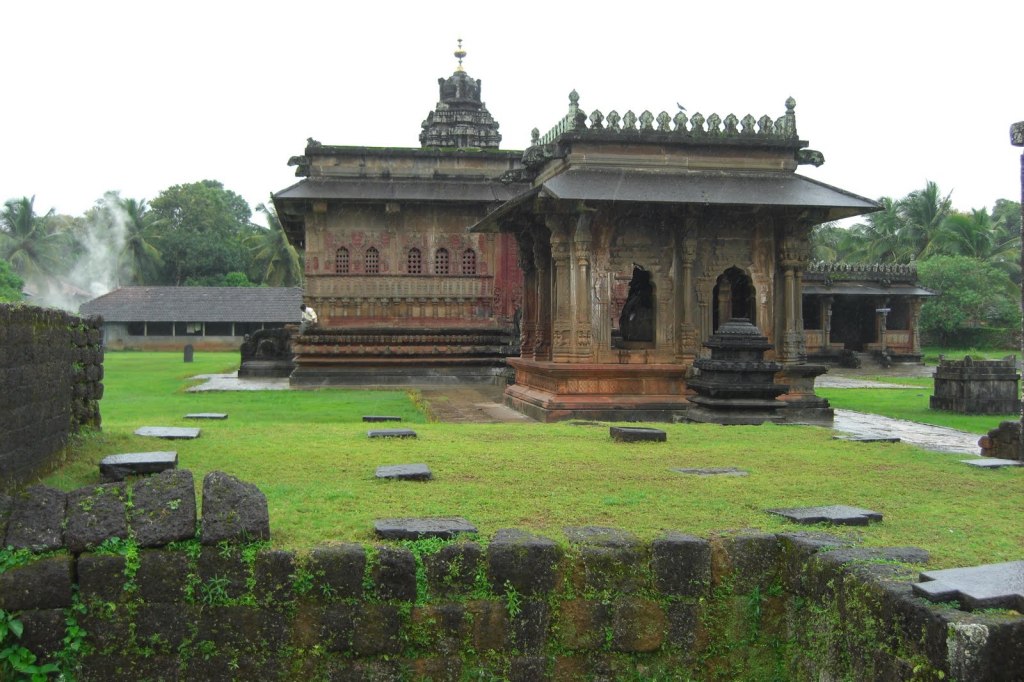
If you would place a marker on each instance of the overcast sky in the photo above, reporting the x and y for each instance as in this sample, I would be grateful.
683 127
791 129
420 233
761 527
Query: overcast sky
139 96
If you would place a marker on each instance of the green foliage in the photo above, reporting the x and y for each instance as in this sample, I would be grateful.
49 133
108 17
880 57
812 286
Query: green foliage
972 294
12 558
10 284
35 246
17 662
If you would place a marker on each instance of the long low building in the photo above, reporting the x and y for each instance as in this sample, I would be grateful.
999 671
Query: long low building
208 318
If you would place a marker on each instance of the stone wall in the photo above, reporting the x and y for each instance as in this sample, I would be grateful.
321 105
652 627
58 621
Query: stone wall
171 603
1002 442
51 368
972 386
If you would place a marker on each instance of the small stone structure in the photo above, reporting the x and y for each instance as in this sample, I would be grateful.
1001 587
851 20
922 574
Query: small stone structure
267 353
736 385
1002 442
972 386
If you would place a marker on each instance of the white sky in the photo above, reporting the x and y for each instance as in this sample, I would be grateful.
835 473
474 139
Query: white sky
138 96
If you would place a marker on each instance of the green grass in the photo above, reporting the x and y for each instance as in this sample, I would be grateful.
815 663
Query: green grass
309 453
931 353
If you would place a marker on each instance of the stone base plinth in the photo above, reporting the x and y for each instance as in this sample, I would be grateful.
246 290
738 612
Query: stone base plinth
804 406
550 391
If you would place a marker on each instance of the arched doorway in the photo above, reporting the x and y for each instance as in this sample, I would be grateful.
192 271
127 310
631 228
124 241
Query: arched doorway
734 296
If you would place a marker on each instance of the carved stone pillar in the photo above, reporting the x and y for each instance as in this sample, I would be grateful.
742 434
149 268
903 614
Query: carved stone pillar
915 320
689 341
561 291
542 261
528 316
581 288
826 322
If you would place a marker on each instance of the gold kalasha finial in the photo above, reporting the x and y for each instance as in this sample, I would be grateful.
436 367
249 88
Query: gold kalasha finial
460 55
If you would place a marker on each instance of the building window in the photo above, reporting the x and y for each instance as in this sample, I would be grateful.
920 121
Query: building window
469 262
372 261
441 262
415 262
341 261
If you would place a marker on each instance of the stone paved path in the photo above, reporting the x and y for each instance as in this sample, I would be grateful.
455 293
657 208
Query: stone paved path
935 438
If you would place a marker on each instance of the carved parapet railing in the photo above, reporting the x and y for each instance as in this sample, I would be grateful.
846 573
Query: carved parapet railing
898 272
696 126
401 286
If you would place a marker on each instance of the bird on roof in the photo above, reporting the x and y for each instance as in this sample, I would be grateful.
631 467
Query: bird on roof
681 107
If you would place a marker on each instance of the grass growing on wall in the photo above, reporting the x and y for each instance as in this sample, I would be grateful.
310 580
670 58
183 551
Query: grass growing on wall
308 451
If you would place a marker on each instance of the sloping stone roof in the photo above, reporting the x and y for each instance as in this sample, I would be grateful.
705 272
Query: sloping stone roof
197 304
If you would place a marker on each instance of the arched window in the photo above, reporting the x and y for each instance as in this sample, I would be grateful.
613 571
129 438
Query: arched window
442 264
371 261
469 262
415 262
341 261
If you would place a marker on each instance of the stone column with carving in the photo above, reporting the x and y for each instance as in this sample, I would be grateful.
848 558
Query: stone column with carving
561 291
915 324
689 339
542 261
794 252
826 323
528 316
1017 140
581 289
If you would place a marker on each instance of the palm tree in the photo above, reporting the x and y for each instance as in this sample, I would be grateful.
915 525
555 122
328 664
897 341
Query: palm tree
976 236
878 239
32 244
923 213
278 262
139 259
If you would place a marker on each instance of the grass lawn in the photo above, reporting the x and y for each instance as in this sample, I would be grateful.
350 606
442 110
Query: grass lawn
308 451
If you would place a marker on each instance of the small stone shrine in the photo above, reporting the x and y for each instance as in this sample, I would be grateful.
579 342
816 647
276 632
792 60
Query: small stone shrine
736 385
972 386
639 236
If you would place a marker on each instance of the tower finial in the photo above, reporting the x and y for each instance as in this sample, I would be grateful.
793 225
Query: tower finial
460 55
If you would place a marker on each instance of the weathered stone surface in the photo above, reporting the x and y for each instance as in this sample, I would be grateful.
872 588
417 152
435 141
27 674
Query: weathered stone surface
37 519
94 514
529 627
992 463
444 527
405 472
338 571
394 574
683 624
636 434
43 634
489 625
164 508
380 418
528 669
713 471
582 623
991 586
361 629
233 510
168 432
527 562
103 666
681 565
445 627
273 572
391 433
101 577
242 627
221 571
168 623
749 561
612 559
42 584
638 625
162 575
119 467
836 514
206 415
452 569
6 504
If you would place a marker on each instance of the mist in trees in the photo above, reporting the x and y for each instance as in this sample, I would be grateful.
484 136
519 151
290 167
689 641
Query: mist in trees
197 233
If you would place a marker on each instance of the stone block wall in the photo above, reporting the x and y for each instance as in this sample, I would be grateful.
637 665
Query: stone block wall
515 606
51 372
972 386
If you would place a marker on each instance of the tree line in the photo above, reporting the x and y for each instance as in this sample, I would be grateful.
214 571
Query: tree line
191 234
970 258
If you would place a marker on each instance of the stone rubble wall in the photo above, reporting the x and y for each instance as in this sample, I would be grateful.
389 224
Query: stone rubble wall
51 372
188 600
1002 442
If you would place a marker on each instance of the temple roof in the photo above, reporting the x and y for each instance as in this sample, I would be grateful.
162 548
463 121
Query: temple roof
864 289
460 118
722 188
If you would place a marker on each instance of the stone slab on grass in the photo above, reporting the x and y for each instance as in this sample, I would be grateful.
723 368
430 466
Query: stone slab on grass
168 432
391 433
636 434
836 514
713 471
992 463
444 527
991 586
380 418
405 472
118 467
868 439
206 415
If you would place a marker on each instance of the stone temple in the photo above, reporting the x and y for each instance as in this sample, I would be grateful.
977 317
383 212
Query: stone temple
595 264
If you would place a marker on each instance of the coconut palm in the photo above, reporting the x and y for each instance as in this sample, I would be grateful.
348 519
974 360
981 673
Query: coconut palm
140 260
278 263
923 213
33 245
